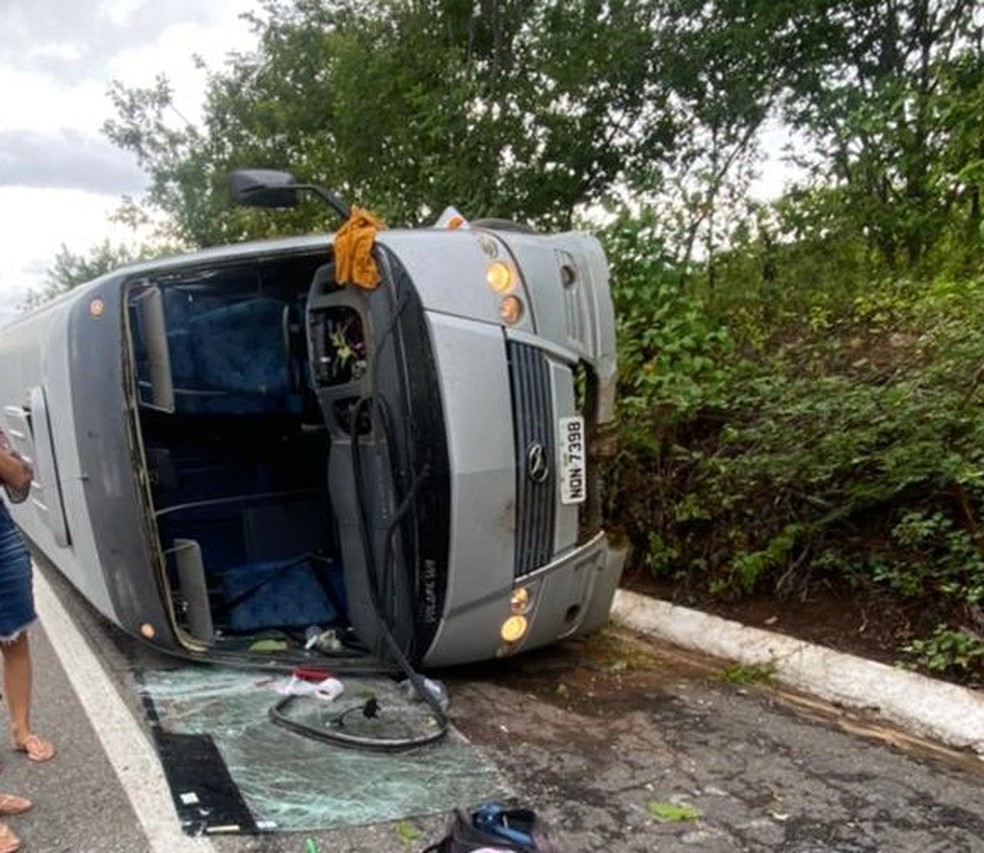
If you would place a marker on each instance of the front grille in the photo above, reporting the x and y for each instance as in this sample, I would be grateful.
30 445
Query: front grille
535 448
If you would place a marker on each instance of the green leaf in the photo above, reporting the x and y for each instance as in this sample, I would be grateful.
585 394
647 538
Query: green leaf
408 833
672 812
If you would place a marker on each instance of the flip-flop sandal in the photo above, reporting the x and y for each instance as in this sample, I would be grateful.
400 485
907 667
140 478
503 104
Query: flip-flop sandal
36 749
11 804
9 843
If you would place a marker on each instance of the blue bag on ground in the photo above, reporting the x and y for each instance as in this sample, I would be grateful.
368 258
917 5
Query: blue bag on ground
493 827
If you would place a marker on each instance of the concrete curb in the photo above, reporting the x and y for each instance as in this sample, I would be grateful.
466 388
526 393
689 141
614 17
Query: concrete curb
943 712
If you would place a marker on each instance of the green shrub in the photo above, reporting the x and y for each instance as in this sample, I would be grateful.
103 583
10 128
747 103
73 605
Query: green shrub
838 430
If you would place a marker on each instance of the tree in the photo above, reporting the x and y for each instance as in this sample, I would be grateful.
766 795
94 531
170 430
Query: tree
70 270
509 108
870 87
960 170
724 87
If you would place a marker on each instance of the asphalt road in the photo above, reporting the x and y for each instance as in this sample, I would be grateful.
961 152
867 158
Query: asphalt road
621 745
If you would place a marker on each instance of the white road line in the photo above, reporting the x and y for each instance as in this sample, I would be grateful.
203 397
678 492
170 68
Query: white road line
128 749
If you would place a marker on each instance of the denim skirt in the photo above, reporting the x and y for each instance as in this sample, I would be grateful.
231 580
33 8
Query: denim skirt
16 581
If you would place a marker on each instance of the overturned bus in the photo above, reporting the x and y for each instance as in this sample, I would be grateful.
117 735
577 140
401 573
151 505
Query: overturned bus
231 446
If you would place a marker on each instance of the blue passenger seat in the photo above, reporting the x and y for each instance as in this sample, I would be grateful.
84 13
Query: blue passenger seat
241 348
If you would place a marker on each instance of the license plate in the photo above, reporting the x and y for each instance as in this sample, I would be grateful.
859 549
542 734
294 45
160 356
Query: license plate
573 459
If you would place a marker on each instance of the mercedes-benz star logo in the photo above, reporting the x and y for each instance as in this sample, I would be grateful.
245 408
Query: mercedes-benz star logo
536 463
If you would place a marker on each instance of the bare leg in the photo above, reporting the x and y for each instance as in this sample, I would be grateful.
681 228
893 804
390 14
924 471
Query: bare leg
17 688
9 843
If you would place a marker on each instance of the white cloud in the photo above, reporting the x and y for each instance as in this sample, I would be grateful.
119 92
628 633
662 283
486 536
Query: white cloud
66 160
60 179
173 55
44 220
32 100
120 12
61 50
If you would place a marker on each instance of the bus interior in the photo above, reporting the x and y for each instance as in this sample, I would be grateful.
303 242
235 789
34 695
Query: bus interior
236 445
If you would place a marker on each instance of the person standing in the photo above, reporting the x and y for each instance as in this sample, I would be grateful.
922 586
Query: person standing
17 609
16 615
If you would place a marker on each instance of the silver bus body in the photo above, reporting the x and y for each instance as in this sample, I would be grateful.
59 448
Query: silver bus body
230 447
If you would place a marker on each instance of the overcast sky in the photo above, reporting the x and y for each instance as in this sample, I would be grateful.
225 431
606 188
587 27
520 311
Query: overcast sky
60 178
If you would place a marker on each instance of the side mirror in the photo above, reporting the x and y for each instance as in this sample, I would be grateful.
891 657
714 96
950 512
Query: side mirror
264 188
270 188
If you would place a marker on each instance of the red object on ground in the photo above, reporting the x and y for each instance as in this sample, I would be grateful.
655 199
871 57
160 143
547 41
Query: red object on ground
316 675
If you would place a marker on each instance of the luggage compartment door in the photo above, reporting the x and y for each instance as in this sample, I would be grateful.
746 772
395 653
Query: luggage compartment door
30 431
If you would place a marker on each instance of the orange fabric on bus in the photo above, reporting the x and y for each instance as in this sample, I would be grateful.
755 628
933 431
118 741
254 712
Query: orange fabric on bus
354 263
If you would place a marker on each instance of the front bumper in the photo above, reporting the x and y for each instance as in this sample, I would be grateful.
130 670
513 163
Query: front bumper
571 595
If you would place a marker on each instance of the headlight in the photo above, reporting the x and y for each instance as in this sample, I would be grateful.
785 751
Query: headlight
501 277
513 629
519 602
511 310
